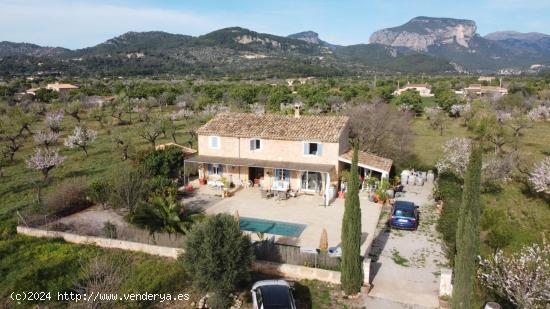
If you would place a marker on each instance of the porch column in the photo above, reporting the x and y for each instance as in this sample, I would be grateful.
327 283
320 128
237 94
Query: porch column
327 189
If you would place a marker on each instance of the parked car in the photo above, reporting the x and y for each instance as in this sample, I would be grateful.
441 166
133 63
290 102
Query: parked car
272 294
404 215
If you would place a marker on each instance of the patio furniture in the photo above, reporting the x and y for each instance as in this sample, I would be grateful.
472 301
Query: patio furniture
266 194
282 195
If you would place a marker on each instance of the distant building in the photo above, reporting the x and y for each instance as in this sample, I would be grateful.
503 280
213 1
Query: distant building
486 79
32 91
61 88
478 89
425 90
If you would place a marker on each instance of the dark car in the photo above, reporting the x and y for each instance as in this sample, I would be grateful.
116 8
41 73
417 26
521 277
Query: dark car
404 215
272 294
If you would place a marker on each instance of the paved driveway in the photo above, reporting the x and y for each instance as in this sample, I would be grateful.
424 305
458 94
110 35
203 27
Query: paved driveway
406 264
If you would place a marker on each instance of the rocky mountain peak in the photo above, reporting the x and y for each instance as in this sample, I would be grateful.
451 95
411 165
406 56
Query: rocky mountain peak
308 36
422 32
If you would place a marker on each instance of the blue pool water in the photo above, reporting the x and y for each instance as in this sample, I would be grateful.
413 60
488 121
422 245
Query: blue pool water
271 227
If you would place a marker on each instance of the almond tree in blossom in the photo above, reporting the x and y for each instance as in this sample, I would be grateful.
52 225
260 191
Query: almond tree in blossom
456 155
46 138
540 176
53 120
45 160
82 137
523 277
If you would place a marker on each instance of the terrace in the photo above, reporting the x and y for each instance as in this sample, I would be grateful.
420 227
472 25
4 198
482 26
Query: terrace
308 210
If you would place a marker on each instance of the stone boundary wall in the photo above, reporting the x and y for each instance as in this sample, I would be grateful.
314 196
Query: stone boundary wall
102 242
270 268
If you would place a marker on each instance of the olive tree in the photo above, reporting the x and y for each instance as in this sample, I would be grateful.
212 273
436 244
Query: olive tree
218 256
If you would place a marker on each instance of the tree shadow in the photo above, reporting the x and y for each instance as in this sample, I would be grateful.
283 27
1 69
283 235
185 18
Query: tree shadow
376 248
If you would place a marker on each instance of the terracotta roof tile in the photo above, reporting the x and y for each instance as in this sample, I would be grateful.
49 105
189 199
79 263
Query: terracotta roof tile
279 127
369 159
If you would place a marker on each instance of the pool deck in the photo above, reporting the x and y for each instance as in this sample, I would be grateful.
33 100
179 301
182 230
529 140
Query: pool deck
305 209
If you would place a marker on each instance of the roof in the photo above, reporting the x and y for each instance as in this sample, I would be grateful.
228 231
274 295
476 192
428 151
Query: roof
294 166
185 150
278 127
61 86
369 160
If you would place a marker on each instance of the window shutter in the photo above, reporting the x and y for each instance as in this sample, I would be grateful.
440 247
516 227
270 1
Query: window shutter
319 149
252 144
306 148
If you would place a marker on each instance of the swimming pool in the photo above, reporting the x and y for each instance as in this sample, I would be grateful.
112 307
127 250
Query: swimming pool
271 227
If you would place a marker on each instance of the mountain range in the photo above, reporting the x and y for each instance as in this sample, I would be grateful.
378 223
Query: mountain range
424 44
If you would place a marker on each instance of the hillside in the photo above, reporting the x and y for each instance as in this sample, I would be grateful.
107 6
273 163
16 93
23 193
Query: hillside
422 45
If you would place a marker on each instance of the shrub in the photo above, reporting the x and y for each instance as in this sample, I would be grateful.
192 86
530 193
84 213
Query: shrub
67 198
161 185
218 256
109 230
128 188
449 190
99 192
167 162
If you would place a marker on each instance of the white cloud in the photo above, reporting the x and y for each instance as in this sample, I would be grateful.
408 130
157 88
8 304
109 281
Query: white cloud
78 24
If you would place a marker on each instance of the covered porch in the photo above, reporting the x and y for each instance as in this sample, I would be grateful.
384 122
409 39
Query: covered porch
369 165
278 176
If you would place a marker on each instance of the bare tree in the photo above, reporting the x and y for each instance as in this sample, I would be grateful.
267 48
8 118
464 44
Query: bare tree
74 109
45 161
123 143
437 118
381 129
11 133
150 131
82 137
102 275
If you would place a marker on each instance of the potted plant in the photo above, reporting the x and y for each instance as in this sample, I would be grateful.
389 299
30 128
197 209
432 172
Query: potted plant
444 301
225 182
344 177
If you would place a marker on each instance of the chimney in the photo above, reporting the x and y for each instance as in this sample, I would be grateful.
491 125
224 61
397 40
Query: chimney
297 110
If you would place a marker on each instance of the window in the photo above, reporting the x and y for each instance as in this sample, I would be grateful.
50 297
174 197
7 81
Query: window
255 144
214 142
281 175
214 169
313 149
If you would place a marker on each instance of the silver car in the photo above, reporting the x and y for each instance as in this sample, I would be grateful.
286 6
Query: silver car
272 294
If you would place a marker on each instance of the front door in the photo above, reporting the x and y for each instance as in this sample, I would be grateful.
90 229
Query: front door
311 181
255 173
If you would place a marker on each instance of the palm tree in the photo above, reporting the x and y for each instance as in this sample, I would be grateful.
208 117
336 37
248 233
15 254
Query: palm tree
164 214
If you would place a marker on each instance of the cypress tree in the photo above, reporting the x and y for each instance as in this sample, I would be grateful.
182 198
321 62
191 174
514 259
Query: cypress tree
351 265
467 233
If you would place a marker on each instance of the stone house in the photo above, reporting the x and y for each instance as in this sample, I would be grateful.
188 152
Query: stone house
299 153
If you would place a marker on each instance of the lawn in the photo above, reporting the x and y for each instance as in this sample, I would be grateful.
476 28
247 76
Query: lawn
34 264
18 184
526 215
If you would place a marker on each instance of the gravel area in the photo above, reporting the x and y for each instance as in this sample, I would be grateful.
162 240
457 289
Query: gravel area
406 264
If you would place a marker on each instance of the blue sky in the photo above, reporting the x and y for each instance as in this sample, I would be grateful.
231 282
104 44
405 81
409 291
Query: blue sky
80 23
